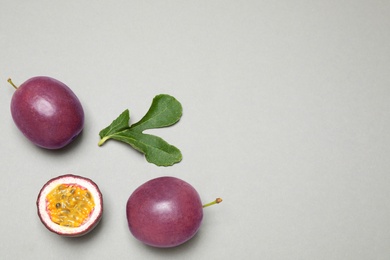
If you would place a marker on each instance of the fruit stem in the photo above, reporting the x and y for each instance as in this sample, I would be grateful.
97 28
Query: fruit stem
216 201
10 82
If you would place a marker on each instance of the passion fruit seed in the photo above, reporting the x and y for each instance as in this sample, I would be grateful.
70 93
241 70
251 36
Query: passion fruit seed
69 205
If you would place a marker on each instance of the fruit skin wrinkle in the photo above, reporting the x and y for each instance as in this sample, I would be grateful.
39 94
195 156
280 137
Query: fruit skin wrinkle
164 212
47 112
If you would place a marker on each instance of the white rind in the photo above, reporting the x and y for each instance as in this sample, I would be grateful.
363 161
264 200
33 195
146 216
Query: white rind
70 179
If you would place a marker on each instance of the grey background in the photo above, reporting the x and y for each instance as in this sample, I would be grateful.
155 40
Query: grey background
286 117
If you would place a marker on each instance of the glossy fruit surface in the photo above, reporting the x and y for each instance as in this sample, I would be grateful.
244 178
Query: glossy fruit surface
70 205
164 212
47 112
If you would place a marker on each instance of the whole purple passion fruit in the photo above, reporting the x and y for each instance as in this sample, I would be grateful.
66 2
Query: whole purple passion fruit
164 212
47 112
70 205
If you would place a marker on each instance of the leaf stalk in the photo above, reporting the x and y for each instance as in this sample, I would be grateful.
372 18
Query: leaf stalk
103 140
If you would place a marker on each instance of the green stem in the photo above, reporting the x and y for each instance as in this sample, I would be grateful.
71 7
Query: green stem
10 82
103 140
216 201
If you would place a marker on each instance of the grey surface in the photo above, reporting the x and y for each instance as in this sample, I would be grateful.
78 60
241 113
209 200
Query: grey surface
286 117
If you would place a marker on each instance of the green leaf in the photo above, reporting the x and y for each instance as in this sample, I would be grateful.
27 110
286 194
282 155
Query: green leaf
119 124
164 111
156 150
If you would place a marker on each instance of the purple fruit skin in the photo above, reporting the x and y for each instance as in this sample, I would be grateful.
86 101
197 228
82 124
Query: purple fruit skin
47 112
164 212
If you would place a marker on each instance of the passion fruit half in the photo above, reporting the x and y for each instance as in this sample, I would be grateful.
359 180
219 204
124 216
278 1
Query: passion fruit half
70 205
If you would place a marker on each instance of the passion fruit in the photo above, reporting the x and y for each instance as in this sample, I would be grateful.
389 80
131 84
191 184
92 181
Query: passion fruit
70 205
165 212
47 112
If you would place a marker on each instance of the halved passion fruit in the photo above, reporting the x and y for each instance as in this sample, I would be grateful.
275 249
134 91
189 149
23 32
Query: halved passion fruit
70 205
